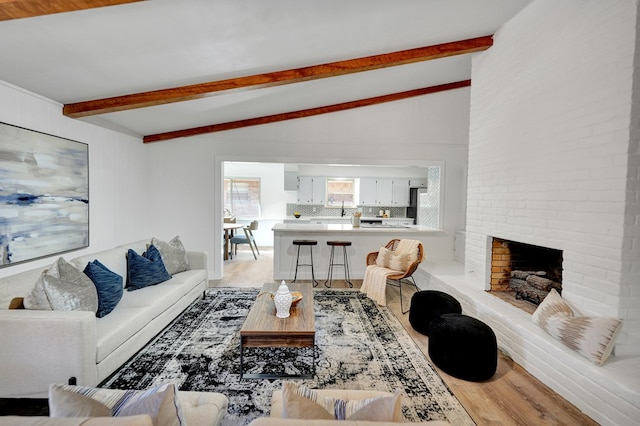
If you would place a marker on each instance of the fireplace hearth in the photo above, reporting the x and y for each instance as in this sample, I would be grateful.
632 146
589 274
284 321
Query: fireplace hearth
526 271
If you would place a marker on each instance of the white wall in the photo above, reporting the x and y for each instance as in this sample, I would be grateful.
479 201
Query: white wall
422 131
549 149
119 190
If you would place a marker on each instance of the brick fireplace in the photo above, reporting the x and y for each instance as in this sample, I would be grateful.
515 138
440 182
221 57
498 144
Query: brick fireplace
554 161
525 271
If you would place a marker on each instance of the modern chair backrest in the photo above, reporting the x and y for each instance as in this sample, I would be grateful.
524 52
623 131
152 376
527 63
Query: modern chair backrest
253 225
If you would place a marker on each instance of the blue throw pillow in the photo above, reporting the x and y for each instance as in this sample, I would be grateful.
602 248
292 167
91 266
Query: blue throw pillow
108 284
145 270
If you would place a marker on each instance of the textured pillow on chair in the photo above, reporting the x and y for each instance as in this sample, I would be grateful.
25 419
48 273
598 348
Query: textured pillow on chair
108 284
62 287
160 402
300 402
173 253
592 337
145 270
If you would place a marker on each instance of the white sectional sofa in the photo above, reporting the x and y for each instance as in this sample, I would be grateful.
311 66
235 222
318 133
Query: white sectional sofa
40 347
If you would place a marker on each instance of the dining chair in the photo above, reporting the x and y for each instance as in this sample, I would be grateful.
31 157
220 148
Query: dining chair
247 239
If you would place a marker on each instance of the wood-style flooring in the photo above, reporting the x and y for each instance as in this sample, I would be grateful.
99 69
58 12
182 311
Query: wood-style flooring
511 397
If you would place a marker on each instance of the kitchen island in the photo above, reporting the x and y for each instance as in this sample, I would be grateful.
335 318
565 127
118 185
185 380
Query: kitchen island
365 239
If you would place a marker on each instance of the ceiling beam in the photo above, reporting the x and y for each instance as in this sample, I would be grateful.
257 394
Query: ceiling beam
302 113
17 9
277 78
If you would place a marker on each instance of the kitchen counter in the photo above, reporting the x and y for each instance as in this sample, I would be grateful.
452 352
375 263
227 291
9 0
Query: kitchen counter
364 239
364 228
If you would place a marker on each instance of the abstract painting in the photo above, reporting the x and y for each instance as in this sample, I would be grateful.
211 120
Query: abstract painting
44 195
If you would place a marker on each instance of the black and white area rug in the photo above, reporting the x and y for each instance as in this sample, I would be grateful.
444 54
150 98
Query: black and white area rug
359 346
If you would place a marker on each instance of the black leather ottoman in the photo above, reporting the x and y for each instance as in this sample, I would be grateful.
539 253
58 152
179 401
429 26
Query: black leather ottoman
463 347
427 305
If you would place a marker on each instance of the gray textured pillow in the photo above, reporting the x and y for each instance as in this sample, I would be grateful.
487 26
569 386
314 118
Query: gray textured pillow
173 253
62 287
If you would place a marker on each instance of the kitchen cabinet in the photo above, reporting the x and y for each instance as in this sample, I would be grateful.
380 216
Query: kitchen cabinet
418 182
384 192
402 221
319 190
290 181
368 191
400 192
311 190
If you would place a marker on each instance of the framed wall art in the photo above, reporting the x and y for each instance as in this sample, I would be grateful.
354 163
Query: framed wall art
44 195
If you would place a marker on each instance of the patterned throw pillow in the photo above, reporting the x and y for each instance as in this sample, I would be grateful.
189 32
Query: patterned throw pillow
393 260
145 270
108 284
593 338
552 306
300 402
62 287
173 255
161 403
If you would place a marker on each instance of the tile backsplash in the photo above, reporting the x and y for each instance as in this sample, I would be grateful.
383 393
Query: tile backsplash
321 210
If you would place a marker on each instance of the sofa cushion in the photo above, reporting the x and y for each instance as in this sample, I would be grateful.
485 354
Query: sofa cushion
173 254
300 402
143 420
108 284
66 403
146 269
62 287
161 402
118 327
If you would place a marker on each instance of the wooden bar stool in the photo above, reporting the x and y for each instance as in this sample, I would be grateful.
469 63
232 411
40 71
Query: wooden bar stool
310 244
345 262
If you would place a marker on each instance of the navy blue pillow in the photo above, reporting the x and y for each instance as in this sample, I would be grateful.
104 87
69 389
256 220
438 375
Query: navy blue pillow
108 284
145 270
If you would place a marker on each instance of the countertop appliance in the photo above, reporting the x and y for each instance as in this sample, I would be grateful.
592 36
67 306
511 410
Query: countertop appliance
417 199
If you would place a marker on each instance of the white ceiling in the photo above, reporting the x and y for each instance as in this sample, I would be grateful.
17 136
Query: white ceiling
156 44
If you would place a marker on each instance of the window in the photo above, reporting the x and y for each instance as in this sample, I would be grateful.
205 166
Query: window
341 191
242 197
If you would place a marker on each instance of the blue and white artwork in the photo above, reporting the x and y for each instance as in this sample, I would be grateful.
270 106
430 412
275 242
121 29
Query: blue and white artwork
44 195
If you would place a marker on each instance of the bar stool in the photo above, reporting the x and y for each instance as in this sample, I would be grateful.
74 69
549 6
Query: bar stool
310 244
345 262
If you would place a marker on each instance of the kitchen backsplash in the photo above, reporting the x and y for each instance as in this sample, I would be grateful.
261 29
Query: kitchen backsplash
320 210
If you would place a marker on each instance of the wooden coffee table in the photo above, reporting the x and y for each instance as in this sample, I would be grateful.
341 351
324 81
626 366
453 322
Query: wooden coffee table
263 329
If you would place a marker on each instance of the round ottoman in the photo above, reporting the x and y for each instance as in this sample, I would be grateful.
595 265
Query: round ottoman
463 347
427 305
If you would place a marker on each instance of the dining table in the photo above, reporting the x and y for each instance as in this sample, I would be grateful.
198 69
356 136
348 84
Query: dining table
228 234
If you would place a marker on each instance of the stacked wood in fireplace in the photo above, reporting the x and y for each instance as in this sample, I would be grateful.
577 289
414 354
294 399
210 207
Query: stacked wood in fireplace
532 285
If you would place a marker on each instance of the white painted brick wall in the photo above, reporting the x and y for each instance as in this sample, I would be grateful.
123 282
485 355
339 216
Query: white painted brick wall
552 160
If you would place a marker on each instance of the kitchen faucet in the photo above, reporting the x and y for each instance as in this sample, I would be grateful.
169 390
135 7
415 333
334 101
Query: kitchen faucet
342 213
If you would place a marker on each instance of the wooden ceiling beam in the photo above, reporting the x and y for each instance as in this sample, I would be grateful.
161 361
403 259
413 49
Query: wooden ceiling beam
302 113
17 9
277 78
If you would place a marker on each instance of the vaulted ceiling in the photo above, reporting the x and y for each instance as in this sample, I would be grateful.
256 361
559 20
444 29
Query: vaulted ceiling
163 69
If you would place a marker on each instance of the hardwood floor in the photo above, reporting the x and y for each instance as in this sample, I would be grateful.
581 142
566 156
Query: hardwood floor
511 397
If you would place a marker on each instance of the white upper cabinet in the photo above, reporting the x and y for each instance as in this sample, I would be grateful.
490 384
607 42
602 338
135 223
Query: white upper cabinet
319 190
311 190
418 182
368 191
384 192
400 192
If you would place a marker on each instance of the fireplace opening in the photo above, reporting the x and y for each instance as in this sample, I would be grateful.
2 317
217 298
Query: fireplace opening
525 271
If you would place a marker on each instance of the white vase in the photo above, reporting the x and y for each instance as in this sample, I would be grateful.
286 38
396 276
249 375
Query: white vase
282 299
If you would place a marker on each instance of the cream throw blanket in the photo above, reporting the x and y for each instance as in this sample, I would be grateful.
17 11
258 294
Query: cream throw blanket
375 277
